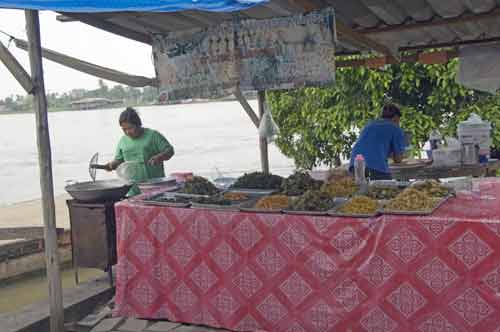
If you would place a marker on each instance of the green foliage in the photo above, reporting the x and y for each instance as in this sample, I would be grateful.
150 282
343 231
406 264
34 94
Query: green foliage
320 125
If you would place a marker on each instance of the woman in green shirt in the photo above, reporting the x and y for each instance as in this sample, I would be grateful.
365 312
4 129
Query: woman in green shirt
143 145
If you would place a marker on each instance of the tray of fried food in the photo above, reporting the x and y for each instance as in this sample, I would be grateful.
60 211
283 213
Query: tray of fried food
383 192
341 187
216 202
267 204
312 202
433 188
357 207
298 183
199 185
169 199
412 201
244 194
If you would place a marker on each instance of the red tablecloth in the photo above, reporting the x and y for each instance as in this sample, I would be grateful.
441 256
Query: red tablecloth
247 271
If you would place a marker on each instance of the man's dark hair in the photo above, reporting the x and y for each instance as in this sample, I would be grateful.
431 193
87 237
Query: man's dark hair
130 116
390 110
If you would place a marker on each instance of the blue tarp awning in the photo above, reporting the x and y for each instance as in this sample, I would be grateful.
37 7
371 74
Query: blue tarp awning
97 6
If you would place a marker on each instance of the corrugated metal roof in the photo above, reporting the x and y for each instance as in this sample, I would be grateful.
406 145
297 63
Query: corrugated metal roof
395 24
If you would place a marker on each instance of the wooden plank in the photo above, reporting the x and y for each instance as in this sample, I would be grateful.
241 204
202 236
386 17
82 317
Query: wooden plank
45 165
264 154
91 69
425 58
103 24
246 106
16 69
450 44
344 32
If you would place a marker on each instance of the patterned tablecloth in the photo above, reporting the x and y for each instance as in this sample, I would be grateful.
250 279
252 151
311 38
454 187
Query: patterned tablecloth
275 272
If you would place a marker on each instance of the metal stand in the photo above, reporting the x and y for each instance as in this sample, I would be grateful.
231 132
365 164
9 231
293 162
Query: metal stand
93 236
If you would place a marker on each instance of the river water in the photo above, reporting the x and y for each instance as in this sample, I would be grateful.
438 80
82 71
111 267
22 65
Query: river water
210 139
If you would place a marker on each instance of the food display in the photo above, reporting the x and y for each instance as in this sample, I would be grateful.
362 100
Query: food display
273 202
235 196
211 200
168 199
298 183
383 193
359 205
258 180
411 199
343 187
312 200
199 186
432 188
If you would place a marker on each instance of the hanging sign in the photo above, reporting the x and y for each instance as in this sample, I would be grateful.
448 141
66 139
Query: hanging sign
278 53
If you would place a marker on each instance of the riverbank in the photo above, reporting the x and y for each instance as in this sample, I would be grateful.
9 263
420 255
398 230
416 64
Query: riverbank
29 214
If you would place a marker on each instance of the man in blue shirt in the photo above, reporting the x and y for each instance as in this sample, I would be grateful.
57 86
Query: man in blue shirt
379 140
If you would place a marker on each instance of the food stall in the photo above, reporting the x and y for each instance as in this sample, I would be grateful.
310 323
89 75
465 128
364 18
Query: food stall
283 271
324 266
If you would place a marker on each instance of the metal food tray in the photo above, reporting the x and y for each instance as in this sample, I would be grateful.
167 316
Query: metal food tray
252 195
250 191
310 213
152 200
249 206
334 213
231 207
418 213
258 210
169 204
389 184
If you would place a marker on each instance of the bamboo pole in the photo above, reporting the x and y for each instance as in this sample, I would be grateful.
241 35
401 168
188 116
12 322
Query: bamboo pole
45 165
15 69
264 155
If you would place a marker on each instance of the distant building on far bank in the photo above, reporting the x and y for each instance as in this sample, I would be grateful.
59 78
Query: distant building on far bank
93 103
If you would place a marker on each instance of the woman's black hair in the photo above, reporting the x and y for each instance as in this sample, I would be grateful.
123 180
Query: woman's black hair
130 116
390 110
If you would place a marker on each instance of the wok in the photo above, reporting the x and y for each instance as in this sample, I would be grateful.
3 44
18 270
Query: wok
103 190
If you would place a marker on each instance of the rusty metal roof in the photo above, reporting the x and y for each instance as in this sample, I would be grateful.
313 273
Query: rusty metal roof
394 25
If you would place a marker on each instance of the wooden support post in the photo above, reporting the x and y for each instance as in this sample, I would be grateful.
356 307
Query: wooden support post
246 106
264 155
16 69
45 165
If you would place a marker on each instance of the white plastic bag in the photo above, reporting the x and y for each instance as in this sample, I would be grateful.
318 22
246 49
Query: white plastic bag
268 129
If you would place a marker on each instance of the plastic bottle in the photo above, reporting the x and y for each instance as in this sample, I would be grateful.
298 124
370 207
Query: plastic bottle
359 169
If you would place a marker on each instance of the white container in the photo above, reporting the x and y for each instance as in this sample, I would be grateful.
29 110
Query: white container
446 157
475 131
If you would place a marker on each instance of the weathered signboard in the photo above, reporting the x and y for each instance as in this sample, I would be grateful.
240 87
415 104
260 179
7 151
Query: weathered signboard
278 53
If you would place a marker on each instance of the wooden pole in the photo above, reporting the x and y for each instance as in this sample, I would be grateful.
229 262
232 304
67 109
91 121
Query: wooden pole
15 69
246 106
264 155
45 165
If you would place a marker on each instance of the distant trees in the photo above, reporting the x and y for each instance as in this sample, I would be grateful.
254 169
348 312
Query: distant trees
61 101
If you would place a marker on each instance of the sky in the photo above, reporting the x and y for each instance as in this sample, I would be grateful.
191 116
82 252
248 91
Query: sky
78 40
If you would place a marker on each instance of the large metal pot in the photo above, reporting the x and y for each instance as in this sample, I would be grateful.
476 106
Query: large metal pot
98 191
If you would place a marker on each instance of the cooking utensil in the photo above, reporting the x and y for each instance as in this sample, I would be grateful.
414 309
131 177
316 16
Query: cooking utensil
101 190
93 161
126 171
130 170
